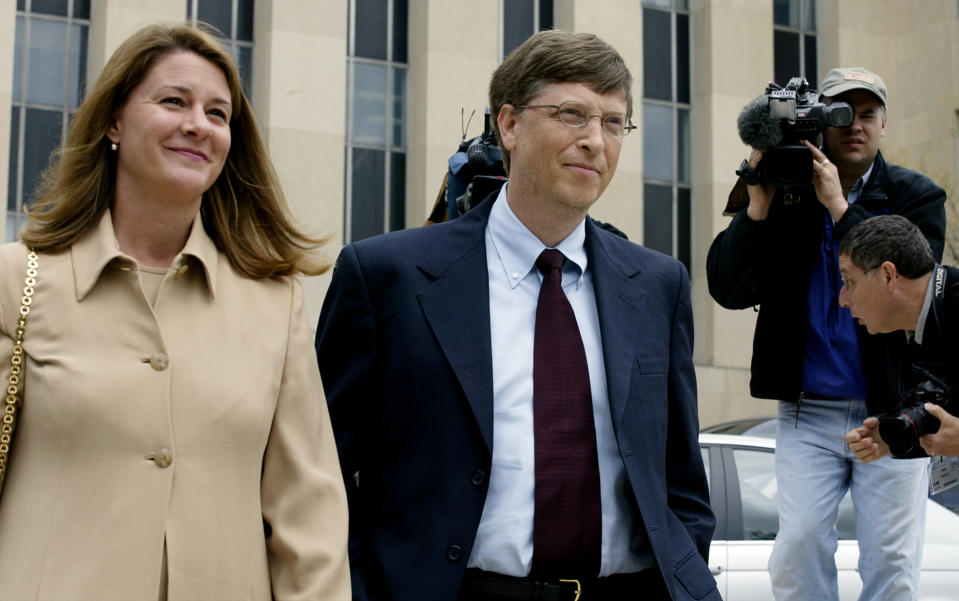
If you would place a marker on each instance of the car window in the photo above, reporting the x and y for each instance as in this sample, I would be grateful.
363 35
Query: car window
757 486
709 484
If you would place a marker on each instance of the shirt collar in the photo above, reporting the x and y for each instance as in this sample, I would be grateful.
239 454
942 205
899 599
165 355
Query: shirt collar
99 248
856 189
924 313
518 248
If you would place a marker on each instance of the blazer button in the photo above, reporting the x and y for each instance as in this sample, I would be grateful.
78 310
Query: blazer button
159 361
479 476
163 458
454 552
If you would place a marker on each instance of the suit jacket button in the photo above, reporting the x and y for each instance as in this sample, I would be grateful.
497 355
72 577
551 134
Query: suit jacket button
163 458
479 476
454 553
159 361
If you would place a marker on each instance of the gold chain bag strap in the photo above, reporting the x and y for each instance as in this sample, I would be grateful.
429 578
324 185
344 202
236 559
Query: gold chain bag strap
11 403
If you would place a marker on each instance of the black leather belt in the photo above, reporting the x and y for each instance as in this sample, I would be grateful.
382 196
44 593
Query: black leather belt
480 585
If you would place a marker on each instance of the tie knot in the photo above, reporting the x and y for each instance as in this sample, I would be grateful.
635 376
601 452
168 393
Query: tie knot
550 259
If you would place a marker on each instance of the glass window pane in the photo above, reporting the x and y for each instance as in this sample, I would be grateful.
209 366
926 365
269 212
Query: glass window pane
369 104
658 218
244 20
189 9
684 228
757 488
400 27
657 55
658 142
47 52
41 137
11 230
78 64
518 23
49 7
666 3
682 4
709 483
81 9
217 13
786 13
370 34
809 15
785 55
244 62
368 190
21 4
812 72
18 61
399 107
397 191
12 171
545 14
684 150
682 58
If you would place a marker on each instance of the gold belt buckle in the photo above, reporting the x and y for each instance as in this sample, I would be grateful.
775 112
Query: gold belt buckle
579 589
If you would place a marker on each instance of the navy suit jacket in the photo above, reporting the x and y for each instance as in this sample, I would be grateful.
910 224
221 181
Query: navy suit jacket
403 344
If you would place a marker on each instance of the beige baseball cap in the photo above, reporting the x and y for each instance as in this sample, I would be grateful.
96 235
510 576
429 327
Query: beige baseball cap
839 81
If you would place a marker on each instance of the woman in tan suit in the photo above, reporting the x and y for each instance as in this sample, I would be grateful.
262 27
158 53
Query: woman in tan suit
173 440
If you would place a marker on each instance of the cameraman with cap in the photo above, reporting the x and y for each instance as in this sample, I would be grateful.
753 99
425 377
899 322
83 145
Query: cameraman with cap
891 282
781 254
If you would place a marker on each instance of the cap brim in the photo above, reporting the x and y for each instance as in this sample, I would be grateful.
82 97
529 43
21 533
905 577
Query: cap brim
848 86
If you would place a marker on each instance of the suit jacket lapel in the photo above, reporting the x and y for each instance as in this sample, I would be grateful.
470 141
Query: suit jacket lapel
456 305
619 301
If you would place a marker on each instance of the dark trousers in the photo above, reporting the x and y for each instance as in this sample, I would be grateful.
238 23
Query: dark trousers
487 586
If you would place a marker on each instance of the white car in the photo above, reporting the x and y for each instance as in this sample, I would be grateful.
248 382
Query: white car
742 484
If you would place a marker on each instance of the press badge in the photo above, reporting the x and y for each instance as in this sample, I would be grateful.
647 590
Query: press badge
943 474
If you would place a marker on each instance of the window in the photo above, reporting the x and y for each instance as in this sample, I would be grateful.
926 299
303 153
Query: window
234 18
666 128
376 118
794 41
756 476
521 19
49 80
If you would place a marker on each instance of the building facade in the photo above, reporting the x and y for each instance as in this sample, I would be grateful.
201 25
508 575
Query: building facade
363 101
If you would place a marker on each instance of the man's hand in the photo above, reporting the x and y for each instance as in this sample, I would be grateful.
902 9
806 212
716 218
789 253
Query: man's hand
866 442
825 178
945 442
760 195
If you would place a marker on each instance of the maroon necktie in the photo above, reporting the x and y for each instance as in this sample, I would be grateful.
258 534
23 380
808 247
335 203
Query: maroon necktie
567 521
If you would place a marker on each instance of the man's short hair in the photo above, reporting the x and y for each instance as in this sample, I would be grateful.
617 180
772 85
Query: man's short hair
556 56
889 238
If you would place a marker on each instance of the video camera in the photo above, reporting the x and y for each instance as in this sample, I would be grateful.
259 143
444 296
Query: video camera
901 427
779 120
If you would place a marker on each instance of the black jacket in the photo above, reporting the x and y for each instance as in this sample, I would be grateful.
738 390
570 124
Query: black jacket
938 355
769 263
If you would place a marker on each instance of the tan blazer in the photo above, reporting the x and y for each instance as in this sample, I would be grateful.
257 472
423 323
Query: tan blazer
200 423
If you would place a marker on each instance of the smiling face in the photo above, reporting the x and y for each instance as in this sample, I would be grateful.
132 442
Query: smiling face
865 295
173 132
554 167
854 148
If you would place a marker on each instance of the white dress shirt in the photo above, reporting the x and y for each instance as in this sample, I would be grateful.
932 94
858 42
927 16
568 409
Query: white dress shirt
504 540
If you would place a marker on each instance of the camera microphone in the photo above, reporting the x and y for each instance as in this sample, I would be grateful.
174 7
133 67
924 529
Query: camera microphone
757 128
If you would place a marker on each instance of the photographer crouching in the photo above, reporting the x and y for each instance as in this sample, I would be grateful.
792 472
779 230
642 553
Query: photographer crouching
815 172
891 282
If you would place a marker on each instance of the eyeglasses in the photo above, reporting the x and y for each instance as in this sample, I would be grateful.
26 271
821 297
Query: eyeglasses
575 114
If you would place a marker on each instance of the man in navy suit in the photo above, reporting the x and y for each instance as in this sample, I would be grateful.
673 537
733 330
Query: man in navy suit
427 345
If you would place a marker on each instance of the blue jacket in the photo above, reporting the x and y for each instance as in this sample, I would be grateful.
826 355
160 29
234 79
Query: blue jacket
404 350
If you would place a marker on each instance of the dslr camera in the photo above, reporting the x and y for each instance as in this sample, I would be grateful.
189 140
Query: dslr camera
779 120
901 427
